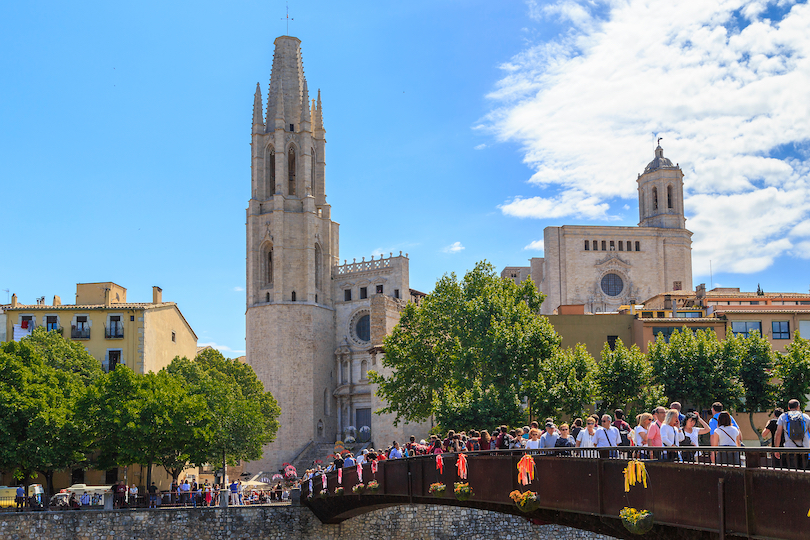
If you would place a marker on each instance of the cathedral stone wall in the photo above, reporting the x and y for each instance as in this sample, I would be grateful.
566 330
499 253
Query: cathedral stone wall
291 348
573 275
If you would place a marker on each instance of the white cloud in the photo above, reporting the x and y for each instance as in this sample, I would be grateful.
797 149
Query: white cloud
480 146
238 289
222 348
727 88
537 245
455 247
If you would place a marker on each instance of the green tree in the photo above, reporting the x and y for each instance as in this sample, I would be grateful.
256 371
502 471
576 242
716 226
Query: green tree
466 344
793 372
243 417
149 419
564 386
64 354
695 367
757 361
37 423
623 379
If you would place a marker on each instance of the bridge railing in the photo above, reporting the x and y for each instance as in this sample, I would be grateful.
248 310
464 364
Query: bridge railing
747 492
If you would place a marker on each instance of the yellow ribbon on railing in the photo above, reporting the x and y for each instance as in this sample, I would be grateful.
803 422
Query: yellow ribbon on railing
525 469
634 473
461 465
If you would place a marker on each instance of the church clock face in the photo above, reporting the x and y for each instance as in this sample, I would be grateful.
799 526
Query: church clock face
612 284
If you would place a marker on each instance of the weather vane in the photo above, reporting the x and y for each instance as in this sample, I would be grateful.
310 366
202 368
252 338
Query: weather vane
659 140
288 18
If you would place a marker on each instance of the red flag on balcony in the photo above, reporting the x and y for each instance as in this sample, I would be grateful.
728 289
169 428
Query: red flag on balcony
439 463
340 476
359 473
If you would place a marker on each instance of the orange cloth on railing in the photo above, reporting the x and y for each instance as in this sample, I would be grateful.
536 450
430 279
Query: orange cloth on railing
461 465
439 463
525 469
359 473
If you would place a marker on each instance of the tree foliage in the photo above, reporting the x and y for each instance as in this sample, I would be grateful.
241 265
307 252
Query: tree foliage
697 367
468 343
793 372
148 419
37 403
243 417
64 354
564 385
624 381
756 370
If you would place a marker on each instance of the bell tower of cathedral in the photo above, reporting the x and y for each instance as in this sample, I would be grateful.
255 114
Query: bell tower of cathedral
292 244
660 194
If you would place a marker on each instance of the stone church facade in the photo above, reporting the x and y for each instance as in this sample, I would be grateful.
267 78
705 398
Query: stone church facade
605 267
313 326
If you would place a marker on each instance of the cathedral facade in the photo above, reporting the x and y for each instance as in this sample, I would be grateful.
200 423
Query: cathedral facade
605 267
314 326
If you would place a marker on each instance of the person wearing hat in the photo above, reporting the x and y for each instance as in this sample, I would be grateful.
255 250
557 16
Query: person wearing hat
549 438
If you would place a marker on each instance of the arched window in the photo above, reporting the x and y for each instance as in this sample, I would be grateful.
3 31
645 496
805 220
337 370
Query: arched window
268 265
318 268
587 245
291 169
655 198
293 296
363 370
669 196
270 172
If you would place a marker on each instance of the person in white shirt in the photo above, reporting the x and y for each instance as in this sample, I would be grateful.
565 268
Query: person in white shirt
586 435
726 435
644 420
534 439
606 435
671 434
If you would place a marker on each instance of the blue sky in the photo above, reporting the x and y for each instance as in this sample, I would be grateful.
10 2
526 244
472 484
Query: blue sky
457 130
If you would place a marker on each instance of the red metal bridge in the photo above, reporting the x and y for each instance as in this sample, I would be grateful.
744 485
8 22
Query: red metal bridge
763 497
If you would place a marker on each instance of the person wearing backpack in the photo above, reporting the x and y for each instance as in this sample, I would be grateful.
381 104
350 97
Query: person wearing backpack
795 425
623 427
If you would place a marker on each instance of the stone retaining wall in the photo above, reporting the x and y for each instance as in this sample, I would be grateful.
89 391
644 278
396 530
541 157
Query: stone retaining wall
279 522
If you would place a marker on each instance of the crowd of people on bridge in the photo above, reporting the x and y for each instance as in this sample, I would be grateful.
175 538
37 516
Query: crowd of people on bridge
656 435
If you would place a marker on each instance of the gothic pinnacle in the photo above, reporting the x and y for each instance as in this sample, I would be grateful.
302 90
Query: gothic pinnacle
319 119
305 114
257 106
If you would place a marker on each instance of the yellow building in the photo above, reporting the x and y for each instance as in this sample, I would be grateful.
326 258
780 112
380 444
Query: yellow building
145 336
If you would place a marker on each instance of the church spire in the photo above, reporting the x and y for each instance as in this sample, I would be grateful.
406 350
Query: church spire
257 107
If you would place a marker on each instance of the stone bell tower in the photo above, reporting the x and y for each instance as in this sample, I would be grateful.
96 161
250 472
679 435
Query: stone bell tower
660 194
292 244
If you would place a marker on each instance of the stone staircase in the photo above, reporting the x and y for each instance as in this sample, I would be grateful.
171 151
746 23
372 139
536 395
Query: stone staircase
311 453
